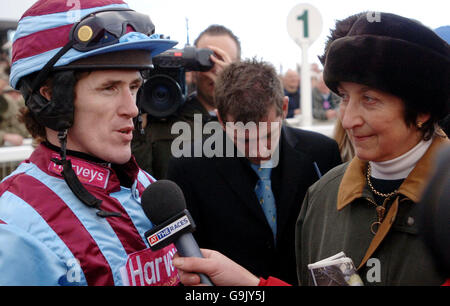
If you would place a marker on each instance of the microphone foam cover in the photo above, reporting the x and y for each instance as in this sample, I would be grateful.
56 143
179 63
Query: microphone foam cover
162 200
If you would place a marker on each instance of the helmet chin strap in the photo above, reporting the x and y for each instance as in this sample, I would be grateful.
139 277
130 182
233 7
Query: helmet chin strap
74 183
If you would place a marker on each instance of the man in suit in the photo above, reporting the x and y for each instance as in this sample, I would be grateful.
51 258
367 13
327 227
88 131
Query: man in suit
224 193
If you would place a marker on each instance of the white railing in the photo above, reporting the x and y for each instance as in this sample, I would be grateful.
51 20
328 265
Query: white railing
16 153
322 127
12 156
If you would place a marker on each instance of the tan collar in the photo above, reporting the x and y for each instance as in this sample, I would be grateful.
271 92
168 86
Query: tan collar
354 181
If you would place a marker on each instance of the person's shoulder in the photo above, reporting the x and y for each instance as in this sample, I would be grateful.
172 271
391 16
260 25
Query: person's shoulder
17 191
145 178
26 174
16 177
191 154
332 178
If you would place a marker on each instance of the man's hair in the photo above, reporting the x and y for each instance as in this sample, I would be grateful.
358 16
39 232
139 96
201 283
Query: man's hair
246 90
218 30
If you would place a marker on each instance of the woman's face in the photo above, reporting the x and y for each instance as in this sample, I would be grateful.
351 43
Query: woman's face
374 121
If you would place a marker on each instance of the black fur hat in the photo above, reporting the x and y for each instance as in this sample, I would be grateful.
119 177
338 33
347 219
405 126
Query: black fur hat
394 54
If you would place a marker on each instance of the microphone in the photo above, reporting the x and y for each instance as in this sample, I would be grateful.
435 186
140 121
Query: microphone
164 204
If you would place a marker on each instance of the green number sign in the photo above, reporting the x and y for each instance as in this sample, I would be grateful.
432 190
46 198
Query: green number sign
304 17
304 24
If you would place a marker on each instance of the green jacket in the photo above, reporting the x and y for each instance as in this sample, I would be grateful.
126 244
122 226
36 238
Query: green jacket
153 149
338 211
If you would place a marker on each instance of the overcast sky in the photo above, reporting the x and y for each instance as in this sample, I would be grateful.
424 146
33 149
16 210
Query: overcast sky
261 24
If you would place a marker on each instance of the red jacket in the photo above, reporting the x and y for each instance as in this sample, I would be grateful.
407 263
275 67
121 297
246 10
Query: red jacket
272 281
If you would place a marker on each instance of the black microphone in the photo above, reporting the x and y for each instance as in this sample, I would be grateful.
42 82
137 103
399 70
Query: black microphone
164 204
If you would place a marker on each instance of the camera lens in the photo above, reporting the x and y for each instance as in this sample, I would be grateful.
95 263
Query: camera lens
162 96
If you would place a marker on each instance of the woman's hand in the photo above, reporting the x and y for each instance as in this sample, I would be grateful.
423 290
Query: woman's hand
220 269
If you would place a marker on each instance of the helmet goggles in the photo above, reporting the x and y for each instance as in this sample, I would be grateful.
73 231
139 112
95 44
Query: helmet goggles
97 30
104 28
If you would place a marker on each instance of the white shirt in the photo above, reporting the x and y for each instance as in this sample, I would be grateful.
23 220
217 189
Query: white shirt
399 167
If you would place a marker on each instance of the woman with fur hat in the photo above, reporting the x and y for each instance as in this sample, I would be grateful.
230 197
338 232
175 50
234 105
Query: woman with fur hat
393 77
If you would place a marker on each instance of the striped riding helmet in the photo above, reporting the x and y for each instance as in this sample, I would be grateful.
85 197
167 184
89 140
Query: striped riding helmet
55 35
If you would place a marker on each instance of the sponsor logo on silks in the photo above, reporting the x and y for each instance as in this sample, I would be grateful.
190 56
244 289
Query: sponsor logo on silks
87 173
169 230
151 268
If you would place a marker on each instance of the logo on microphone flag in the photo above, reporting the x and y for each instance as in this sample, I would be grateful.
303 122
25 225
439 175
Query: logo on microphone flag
169 230
151 268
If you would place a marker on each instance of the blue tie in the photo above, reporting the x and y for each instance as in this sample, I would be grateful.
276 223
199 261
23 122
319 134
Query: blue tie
265 196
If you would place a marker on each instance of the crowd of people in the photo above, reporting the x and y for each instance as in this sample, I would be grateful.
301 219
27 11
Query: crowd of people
267 198
12 131
325 103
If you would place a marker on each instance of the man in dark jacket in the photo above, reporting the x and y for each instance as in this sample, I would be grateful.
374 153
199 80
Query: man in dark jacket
256 229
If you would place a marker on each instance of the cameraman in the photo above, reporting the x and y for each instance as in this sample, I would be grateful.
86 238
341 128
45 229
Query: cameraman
153 150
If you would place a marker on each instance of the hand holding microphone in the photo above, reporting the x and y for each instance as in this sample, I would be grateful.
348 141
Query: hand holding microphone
164 204
220 269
